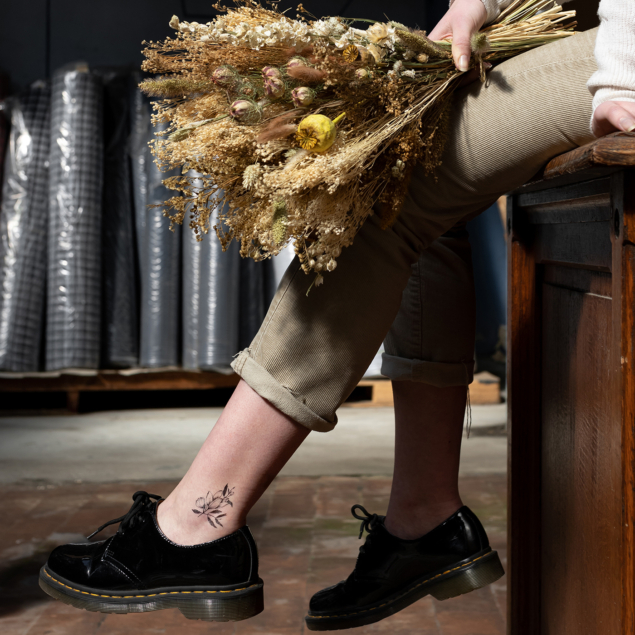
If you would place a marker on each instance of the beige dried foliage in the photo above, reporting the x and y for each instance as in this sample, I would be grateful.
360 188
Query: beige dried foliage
273 192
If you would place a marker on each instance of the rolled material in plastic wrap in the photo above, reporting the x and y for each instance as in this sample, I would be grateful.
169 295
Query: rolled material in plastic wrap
23 224
140 159
191 301
120 314
219 304
75 204
254 300
160 278
4 124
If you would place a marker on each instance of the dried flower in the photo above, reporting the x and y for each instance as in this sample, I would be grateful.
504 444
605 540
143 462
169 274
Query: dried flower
306 74
279 222
274 88
362 74
480 43
420 43
271 72
174 22
302 96
377 52
409 73
317 133
250 175
398 66
422 58
297 61
225 76
378 33
350 53
245 111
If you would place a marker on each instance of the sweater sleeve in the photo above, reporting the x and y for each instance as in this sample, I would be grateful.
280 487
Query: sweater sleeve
615 53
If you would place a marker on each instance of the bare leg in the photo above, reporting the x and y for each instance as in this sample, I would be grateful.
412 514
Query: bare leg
429 426
247 448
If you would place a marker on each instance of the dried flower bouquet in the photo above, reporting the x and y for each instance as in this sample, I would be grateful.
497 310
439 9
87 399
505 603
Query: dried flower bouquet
301 126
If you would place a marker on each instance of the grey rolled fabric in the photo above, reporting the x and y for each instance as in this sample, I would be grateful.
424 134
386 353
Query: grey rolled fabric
23 224
140 159
120 314
219 304
160 277
254 299
73 319
191 302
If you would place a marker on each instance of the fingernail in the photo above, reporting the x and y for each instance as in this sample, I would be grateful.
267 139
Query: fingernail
627 124
487 65
464 62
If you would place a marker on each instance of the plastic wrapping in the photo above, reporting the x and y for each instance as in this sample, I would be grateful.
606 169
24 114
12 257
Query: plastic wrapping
278 265
75 197
254 299
23 223
191 301
140 159
4 124
160 277
219 304
120 315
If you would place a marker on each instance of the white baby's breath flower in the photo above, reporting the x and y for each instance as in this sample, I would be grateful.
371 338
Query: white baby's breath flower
408 55
398 66
410 73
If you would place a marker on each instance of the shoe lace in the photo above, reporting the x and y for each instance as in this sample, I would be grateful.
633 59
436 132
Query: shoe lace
369 521
141 501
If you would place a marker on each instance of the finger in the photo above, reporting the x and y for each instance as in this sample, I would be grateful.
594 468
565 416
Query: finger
610 117
461 49
441 31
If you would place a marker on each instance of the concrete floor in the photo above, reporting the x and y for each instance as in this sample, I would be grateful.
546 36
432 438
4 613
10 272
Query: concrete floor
153 445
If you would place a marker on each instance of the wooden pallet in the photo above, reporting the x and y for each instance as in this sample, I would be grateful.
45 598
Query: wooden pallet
484 390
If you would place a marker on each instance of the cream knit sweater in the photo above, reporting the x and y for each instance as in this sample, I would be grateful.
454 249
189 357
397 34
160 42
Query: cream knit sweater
614 49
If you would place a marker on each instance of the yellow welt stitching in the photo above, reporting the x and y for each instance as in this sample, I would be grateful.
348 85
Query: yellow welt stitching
150 595
373 608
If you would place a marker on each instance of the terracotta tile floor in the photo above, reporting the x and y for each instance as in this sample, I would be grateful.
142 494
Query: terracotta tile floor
307 540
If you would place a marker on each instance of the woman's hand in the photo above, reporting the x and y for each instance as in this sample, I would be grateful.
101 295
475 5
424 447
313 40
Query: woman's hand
463 19
613 116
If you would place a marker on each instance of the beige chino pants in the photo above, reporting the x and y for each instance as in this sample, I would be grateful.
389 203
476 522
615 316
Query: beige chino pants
311 351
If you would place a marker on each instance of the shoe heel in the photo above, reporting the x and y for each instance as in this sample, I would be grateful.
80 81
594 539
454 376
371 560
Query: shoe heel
223 609
480 574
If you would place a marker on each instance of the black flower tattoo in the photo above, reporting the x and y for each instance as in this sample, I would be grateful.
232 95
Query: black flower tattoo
211 505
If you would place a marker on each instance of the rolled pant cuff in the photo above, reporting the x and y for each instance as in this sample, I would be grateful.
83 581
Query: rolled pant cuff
439 374
275 393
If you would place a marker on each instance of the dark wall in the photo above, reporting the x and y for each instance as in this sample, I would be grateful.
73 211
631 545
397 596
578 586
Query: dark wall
38 36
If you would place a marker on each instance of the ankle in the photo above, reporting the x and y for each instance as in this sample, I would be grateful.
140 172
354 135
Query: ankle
410 522
181 525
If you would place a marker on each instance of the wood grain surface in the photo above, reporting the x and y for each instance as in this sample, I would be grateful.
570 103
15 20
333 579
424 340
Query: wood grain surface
617 149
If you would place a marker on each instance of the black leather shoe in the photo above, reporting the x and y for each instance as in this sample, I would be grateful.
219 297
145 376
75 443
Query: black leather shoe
139 569
390 573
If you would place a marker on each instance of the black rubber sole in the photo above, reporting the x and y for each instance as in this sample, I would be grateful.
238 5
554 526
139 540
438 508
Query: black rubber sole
210 605
465 577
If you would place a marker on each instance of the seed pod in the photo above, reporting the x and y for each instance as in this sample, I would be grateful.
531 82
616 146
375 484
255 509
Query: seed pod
245 111
279 222
302 96
362 74
297 61
225 76
274 88
271 72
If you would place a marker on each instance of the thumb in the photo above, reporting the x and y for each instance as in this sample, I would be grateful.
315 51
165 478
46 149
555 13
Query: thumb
461 48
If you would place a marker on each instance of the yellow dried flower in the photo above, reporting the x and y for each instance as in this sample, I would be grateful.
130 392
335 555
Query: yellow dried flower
351 53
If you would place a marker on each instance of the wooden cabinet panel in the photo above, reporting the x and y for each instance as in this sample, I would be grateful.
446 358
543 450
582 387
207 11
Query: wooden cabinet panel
581 463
